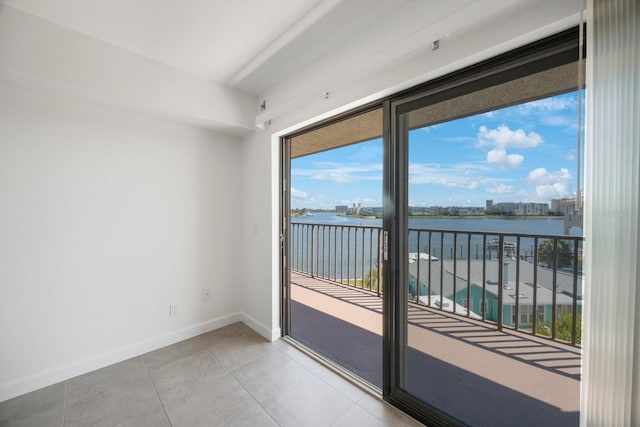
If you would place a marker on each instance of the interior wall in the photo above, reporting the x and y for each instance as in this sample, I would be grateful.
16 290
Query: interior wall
36 53
260 248
107 218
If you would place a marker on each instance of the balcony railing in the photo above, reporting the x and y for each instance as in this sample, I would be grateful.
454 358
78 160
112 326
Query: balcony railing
527 282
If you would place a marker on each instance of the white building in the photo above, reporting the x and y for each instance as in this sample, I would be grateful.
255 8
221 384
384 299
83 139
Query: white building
519 208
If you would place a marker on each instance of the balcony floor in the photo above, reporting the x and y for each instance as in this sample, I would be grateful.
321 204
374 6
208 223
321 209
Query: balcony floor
464 367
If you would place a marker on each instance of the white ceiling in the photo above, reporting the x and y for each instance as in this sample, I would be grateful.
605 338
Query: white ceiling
246 44
213 39
288 52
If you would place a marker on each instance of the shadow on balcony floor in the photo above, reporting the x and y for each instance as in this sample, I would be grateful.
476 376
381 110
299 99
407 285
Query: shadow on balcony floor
353 348
478 401
485 377
542 353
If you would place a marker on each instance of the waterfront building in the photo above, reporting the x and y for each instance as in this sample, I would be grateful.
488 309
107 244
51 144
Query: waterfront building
466 210
454 288
376 210
563 206
517 208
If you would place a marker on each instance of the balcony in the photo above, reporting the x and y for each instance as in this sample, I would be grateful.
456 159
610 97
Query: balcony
493 319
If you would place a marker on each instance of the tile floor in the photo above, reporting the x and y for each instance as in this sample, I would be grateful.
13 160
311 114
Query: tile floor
228 377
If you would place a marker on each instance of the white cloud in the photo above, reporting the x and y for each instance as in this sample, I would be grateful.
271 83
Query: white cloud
500 157
337 176
428 129
367 153
322 202
550 185
561 121
456 176
366 201
501 189
542 176
341 173
556 103
298 194
503 138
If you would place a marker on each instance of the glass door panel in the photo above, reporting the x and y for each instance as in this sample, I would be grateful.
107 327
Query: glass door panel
488 296
334 243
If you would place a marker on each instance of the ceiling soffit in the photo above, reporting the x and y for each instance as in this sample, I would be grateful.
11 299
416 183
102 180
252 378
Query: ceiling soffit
360 128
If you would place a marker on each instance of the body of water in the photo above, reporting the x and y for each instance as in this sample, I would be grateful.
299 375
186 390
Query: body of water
345 239
544 225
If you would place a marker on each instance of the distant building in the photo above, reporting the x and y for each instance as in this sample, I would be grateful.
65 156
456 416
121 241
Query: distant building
355 209
563 206
517 209
342 209
456 292
428 210
368 210
440 210
466 210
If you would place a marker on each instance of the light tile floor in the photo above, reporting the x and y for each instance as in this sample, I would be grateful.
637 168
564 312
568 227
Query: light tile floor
228 377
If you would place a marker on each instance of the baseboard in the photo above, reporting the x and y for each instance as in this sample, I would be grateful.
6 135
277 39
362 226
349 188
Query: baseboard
49 377
270 334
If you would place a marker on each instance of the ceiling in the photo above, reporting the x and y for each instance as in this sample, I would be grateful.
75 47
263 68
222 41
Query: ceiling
245 44
210 63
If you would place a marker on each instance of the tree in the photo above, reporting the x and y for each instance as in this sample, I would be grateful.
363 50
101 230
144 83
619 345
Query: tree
370 281
564 324
546 254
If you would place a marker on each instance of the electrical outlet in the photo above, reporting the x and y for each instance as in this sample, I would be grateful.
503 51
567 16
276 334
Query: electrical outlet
206 294
173 310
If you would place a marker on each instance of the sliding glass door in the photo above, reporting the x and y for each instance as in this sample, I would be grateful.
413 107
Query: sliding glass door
455 285
486 294
334 228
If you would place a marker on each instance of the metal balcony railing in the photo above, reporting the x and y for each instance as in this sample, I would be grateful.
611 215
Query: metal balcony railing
527 282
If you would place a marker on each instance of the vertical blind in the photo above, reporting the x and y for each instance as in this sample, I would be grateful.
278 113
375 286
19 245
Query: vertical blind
611 373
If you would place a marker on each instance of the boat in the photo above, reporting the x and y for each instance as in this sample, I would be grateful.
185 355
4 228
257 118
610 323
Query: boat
508 247
413 257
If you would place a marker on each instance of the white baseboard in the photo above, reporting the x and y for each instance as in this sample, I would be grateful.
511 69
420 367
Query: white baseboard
271 334
49 377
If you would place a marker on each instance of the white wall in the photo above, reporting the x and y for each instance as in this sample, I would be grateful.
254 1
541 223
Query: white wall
106 218
38 53
260 290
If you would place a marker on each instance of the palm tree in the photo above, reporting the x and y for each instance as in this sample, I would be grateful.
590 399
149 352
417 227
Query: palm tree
546 254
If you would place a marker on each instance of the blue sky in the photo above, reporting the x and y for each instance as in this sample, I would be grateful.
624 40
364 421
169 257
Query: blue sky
524 153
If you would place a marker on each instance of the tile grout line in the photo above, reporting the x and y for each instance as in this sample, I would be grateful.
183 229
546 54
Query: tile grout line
249 393
212 354
368 392
334 371
333 367
64 403
153 384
